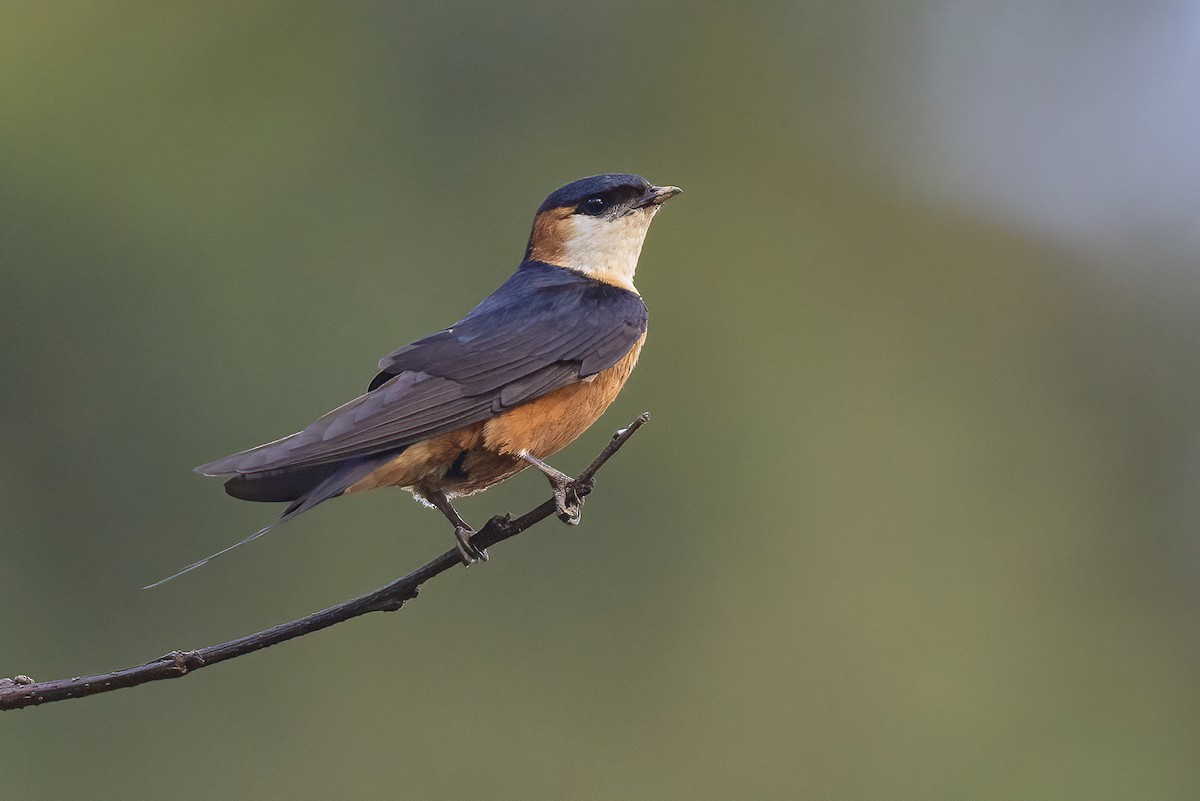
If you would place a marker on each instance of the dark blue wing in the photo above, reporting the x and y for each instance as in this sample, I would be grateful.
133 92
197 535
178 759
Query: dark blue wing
544 328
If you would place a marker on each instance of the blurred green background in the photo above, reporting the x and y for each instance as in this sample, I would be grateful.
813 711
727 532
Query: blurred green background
915 518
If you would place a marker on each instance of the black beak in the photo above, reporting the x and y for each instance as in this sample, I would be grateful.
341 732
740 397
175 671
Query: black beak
656 195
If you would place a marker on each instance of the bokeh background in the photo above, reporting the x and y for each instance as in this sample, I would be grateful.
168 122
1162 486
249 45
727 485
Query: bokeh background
916 516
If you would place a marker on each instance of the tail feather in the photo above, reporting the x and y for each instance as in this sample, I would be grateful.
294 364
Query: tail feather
224 550
346 475
274 486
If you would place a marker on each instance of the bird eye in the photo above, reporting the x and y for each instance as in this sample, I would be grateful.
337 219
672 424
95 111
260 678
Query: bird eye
594 206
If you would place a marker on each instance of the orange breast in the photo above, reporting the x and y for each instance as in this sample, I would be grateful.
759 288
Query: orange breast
547 425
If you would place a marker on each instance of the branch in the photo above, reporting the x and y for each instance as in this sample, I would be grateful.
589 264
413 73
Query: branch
22 691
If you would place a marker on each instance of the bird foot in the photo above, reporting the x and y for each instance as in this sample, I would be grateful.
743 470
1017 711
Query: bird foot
568 492
567 502
469 553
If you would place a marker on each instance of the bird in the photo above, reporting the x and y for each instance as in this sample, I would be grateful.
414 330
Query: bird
517 379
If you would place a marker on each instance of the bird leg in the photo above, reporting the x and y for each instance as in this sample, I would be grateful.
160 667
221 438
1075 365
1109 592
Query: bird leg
567 501
462 532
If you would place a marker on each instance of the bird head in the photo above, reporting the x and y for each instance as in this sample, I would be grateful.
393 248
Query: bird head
596 226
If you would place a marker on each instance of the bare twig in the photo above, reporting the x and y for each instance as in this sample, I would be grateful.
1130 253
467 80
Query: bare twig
22 691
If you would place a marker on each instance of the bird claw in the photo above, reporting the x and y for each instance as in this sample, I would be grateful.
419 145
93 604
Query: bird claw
568 492
568 503
466 549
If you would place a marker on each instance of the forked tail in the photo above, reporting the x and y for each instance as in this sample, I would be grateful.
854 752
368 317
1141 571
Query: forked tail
333 485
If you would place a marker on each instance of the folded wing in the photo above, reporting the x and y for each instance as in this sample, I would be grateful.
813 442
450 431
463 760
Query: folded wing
544 328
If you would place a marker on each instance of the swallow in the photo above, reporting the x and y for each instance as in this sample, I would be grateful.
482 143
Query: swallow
519 378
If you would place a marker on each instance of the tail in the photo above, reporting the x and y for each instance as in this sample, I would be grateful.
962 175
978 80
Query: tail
332 485
275 486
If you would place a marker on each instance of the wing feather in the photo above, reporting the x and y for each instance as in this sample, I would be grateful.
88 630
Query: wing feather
544 328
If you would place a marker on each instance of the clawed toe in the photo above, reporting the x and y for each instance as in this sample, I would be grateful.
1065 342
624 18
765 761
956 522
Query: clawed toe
466 549
568 501
568 504
469 553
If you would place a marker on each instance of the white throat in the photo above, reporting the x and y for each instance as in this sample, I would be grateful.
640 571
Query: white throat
607 249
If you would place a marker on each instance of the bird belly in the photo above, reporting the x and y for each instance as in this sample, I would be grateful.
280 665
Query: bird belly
473 458
548 424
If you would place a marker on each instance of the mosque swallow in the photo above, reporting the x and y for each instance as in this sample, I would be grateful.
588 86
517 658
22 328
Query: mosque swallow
519 378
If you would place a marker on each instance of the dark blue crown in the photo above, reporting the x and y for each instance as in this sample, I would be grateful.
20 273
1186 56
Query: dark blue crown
576 192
